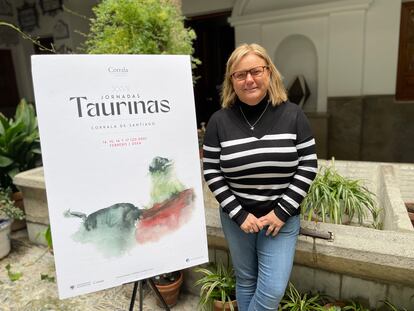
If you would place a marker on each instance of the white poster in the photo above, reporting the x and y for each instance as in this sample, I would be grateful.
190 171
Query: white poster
122 171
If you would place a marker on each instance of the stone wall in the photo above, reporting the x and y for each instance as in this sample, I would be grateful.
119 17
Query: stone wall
319 124
343 287
370 128
405 179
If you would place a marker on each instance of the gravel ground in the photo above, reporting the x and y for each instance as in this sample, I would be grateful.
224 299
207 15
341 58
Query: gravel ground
31 293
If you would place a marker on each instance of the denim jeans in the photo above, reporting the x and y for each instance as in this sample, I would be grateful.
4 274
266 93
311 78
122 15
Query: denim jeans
262 263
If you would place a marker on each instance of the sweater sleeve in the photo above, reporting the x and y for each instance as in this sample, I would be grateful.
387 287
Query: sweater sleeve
288 204
214 176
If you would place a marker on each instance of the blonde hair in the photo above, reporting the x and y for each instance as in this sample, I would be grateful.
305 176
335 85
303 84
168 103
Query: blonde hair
276 91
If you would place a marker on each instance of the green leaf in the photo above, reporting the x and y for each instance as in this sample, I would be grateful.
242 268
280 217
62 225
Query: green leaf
13 276
5 161
46 277
19 143
4 124
48 237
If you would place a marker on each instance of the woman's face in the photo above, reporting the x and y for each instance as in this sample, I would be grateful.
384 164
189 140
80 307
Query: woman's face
253 88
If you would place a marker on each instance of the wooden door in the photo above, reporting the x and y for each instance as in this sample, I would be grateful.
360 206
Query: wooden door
9 97
405 74
214 44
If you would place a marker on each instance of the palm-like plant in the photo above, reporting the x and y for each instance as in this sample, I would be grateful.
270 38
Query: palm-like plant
355 306
392 307
218 283
19 143
295 301
331 196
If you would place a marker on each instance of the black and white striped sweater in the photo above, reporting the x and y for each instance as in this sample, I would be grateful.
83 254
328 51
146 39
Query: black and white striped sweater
255 171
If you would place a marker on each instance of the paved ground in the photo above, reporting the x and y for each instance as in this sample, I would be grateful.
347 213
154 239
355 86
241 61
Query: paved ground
31 293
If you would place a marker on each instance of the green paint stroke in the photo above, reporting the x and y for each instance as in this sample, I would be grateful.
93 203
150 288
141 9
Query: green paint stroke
164 183
111 229
111 242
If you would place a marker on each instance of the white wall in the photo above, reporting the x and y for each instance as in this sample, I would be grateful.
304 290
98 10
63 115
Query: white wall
356 40
273 34
381 47
346 53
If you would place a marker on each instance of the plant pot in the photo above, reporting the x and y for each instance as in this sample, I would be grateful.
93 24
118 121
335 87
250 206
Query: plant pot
5 226
345 219
339 304
220 306
17 197
170 292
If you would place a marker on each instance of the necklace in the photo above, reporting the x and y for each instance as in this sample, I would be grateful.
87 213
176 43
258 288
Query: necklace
252 125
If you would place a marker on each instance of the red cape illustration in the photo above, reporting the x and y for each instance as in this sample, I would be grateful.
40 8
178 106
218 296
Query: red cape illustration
165 217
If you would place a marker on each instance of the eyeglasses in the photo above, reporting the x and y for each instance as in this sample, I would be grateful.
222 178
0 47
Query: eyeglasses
254 72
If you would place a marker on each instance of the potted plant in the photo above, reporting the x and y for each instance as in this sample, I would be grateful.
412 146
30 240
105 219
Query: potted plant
8 212
19 143
218 287
295 301
169 285
354 306
334 306
337 199
19 147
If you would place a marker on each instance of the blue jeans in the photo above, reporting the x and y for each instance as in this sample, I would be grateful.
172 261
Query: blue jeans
262 263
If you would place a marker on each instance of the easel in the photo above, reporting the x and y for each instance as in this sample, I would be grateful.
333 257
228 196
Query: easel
141 294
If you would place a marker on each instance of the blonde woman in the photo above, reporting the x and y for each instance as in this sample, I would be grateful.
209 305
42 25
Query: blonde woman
259 162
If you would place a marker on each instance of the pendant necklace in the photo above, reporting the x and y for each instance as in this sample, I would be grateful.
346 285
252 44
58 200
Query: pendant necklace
252 125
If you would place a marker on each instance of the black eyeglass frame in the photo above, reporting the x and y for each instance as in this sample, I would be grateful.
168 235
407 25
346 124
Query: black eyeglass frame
249 71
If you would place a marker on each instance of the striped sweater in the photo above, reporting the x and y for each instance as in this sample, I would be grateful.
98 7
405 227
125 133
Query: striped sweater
256 171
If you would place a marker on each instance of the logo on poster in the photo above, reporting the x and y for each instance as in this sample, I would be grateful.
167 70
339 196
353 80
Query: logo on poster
113 69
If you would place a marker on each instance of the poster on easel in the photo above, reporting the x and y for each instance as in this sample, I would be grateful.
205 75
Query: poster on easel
122 169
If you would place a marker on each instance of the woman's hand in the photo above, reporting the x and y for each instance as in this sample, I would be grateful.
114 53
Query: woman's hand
251 224
273 222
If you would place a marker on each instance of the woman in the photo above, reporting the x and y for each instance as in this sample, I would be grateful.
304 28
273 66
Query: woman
259 162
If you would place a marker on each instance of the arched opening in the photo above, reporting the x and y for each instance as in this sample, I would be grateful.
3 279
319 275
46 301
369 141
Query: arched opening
296 55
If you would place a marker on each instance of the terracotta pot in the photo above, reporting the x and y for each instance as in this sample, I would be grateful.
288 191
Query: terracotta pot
220 306
17 197
170 292
334 304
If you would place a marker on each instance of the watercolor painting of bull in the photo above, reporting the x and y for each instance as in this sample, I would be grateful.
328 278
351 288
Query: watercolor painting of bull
117 228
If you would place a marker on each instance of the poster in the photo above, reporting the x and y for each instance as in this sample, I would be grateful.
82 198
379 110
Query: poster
122 171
